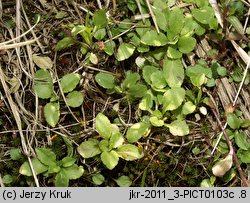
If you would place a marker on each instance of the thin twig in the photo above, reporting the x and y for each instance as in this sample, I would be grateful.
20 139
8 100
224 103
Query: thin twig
153 16
86 10
18 122
99 4
117 36
1 180
140 10
232 152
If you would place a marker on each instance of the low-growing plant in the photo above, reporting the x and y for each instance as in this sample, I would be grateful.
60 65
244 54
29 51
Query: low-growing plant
110 146
46 164
44 89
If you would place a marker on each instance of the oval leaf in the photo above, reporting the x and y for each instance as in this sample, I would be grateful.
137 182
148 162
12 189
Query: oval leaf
74 99
73 172
61 179
156 121
105 80
98 179
188 108
52 113
64 43
178 128
136 131
244 155
68 161
173 72
110 159
46 156
89 148
38 167
173 98
103 126
241 140
43 62
123 181
129 152
125 50
233 121
116 140
43 84
186 44
69 82
152 38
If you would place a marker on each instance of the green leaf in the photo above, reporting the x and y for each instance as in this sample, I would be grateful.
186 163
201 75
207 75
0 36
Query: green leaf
156 121
7 179
173 53
245 123
152 38
98 179
70 81
110 159
43 84
68 161
100 34
233 121
160 18
173 98
105 80
89 148
241 140
186 44
123 181
188 108
129 152
37 165
73 172
136 131
64 43
15 154
61 179
236 24
178 128
203 15
100 19
158 80
137 90
147 72
104 145
43 62
173 72
46 156
103 126
130 80
221 71
52 113
146 102
198 73
109 48
244 155
116 140
93 58
175 23
206 183
74 99
125 50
